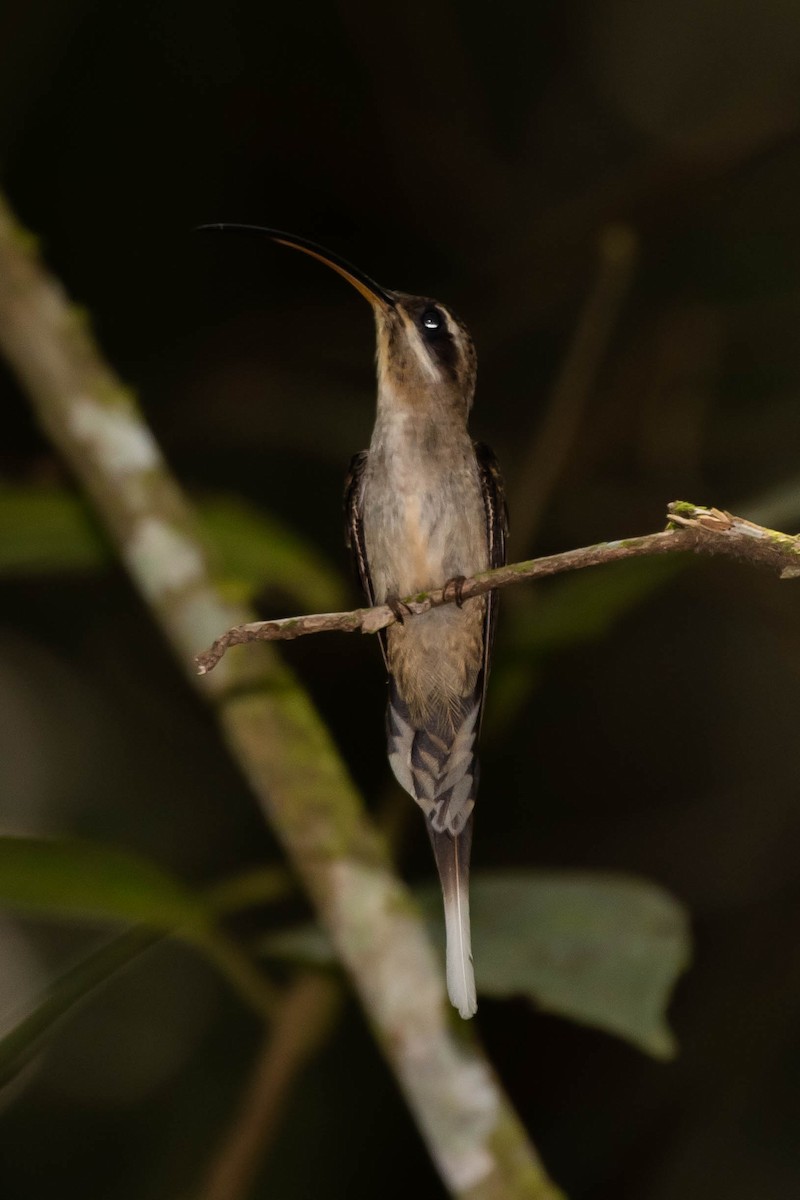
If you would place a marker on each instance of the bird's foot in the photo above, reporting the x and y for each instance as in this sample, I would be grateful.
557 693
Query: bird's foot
399 610
454 589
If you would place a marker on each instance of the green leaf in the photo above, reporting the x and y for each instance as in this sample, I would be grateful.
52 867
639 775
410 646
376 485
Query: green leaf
603 950
64 994
48 529
250 889
253 550
78 879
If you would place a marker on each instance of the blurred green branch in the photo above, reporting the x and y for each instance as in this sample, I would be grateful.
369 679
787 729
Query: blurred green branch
474 1136
66 993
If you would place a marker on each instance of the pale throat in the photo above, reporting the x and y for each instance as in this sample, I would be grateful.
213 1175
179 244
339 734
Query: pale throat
424 520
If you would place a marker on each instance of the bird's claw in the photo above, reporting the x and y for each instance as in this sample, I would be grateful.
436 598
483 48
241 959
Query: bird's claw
457 586
399 610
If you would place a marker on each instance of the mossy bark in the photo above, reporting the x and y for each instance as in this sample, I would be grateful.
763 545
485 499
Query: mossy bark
272 729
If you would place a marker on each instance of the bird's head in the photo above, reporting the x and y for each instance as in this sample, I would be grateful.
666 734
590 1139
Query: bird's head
423 349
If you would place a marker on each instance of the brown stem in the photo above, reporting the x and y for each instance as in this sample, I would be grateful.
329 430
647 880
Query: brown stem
547 454
299 1028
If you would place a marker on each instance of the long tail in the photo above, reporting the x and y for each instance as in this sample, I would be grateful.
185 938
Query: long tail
440 770
452 860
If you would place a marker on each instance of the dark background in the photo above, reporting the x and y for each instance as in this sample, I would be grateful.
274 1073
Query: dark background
478 154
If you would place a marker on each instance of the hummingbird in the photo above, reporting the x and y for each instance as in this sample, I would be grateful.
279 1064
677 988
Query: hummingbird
425 507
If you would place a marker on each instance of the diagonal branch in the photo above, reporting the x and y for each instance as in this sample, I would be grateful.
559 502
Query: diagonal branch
691 528
543 462
302 1022
474 1136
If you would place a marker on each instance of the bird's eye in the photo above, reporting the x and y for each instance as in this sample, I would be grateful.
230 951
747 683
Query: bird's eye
431 319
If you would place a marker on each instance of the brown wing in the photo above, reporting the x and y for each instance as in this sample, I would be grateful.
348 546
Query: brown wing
354 529
494 502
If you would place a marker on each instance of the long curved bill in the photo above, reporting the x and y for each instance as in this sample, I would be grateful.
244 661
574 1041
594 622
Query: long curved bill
377 296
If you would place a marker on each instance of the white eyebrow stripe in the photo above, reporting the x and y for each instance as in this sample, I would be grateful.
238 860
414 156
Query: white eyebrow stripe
452 329
423 354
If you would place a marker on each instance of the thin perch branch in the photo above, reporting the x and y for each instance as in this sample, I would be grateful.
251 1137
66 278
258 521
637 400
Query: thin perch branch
692 528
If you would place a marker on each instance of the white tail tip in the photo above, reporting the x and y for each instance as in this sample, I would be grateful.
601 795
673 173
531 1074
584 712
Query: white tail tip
460 975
